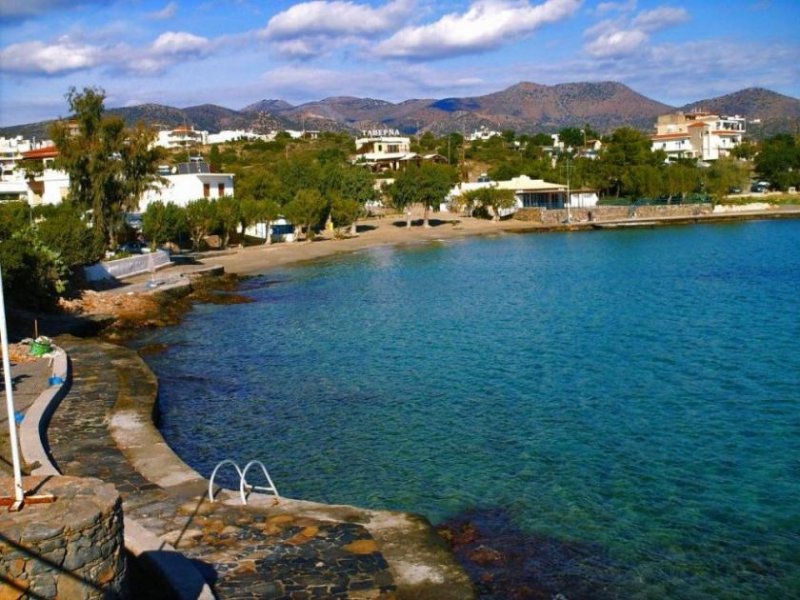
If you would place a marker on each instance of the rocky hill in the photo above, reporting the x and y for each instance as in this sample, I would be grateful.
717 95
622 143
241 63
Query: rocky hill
525 107
772 112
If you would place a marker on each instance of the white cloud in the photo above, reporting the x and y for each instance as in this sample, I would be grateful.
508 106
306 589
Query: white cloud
607 7
660 18
628 34
22 9
616 43
168 12
179 42
61 56
333 18
660 71
300 49
487 24
405 81
65 55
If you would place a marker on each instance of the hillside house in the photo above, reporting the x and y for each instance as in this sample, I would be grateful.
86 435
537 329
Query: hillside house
389 153
483 134
181 137
699 135
233 135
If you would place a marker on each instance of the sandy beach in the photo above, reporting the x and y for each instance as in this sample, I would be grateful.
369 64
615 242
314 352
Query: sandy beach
374 232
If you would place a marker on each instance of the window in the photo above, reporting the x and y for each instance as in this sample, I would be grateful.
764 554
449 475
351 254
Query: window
220 189
206 190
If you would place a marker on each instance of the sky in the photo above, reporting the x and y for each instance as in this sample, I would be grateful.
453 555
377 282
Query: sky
233 53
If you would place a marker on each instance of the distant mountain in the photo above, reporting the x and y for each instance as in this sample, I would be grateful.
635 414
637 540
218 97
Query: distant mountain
269 106
525 107
775 112
532 107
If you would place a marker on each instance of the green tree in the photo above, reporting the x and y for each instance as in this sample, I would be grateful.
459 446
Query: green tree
573 137
267 212
214 159
66 232
163 223
14 215
427 184
33 275
779 161
108 166
681 180
345 212
201 217
356 185
626 148
724 174
228 217
306 210
642 181
491 198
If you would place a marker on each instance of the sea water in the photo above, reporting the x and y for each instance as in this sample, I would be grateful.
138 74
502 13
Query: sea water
638 391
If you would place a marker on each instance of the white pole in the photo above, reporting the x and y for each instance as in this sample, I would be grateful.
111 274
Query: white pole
12 425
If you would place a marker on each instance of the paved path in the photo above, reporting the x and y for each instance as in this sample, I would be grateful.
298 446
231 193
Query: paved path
245 552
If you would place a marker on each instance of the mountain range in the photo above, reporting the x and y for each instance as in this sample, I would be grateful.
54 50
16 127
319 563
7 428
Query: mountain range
524 107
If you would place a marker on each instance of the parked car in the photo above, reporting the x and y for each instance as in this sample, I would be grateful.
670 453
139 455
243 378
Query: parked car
133 247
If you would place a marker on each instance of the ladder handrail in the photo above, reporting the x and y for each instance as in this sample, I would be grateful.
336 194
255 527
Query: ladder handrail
214 473
243 481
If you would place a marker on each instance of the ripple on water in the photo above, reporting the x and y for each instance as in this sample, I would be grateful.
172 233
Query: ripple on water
634 393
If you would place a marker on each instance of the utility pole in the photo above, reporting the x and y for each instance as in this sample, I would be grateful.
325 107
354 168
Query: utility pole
568 202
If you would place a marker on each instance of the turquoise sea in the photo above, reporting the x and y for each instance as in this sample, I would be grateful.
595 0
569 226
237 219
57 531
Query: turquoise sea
634 391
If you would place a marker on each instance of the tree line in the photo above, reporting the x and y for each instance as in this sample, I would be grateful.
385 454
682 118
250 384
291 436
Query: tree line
312 183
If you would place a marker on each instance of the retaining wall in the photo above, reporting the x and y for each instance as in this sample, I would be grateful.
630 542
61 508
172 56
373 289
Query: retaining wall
127 267
612 213
70 549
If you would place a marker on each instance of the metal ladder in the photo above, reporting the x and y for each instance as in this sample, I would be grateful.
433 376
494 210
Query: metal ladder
243 485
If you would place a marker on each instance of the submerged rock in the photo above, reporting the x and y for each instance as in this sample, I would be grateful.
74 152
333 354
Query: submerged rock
505 562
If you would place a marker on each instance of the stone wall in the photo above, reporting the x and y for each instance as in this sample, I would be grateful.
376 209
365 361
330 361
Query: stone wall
612 213
127 267
71 549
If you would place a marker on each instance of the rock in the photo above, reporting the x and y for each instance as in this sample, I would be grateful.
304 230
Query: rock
362 547
484 555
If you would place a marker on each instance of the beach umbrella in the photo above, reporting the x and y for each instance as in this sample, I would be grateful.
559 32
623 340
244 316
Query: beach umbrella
19 494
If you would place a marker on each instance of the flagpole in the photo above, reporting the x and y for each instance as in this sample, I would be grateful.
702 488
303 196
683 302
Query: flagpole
19 494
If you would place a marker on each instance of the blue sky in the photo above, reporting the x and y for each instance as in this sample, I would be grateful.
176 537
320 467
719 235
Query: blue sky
183 53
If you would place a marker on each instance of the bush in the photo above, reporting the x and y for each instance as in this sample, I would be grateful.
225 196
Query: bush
65 232
33 275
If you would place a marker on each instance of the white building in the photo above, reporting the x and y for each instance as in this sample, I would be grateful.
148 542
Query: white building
192 181
383 153
50 187
181 137
482 134
700 135
232 135
12 152
532 193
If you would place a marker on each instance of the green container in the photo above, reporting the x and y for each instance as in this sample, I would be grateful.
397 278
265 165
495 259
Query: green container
40 348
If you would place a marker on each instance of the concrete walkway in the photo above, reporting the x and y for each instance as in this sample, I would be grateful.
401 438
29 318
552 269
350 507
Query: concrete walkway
103 428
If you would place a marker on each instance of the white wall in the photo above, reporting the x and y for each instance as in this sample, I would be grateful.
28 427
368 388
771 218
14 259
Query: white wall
56 187
182 189
127 267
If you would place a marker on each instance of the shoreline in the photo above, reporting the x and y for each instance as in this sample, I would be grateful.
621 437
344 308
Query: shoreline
118 313
376 233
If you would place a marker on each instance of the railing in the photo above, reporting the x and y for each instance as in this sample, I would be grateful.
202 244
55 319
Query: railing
243 485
